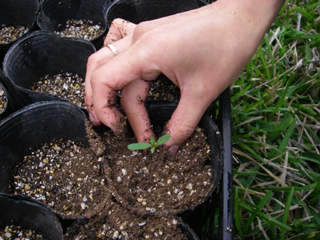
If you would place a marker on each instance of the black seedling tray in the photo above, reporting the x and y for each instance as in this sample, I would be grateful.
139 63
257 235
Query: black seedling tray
214 219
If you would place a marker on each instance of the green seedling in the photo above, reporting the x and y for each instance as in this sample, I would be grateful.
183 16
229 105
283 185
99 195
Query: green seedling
152 145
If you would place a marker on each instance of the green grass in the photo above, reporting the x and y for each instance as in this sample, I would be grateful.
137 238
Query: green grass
276 131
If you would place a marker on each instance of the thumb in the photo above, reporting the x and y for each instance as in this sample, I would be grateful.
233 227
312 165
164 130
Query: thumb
184 120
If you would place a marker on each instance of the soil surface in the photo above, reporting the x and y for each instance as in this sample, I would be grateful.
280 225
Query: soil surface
3 100
11 33
117 222
64 175
66 85
17 233
159 183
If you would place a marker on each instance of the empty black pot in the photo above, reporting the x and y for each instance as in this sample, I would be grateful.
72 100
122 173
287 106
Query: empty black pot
29 214
55 13
34 125
14 13
137 11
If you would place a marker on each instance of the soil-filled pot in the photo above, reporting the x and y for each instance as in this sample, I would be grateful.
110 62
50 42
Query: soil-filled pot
15 97
45 154
55 14
42 54
28 214
143 10
33 125
163 183
17 18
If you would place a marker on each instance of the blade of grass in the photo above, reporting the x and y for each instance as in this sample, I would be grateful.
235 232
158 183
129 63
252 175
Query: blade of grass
261 204
286 213
237 218
265 217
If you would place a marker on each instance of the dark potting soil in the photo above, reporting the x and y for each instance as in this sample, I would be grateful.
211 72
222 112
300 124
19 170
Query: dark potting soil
117 222
67 86
159 183
65 176
17 233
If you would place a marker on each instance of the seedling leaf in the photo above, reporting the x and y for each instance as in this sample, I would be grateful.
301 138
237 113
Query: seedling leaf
163 139
139 146
152 141
152 145
152 149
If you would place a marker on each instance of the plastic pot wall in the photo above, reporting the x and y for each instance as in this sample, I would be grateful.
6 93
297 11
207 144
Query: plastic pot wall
55 13
12 13
28 214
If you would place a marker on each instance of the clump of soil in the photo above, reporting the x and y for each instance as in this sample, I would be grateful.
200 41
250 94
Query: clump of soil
159 183
81 28
66 176
117 222
11 33
67 86
16 232
3 99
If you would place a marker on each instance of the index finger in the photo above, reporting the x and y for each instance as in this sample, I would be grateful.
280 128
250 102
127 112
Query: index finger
115 75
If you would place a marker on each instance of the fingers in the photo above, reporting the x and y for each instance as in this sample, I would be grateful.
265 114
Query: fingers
119 29
95 61
133 103
113 76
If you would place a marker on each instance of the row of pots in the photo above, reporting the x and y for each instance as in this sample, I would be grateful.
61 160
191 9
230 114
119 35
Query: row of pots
52 15
42 122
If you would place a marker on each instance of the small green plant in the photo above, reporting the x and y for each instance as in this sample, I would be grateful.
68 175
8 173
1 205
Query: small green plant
152 145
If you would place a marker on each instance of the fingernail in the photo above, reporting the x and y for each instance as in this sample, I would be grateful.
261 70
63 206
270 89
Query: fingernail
174 148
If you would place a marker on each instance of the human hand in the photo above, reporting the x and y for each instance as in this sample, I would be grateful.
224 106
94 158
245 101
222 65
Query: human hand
201 51
133 95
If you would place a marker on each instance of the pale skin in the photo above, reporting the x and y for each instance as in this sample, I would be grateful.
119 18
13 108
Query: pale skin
201 51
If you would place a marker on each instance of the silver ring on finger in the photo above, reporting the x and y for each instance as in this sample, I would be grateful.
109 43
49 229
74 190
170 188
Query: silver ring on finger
113 49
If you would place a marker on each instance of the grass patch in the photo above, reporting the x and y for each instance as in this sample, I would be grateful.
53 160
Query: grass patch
276 131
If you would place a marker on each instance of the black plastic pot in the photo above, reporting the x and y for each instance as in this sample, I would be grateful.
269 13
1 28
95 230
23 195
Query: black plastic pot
55 13
13 13
29 214
42 53
34 125
160 112
38 54
137 11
